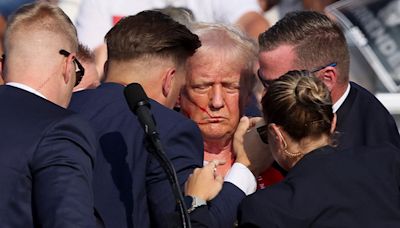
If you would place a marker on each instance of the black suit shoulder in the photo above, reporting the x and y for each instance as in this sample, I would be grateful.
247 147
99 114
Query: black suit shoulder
29 106
126 176
35 117
329 187
363 121
47 154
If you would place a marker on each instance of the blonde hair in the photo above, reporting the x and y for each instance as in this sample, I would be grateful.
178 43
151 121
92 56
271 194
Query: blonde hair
300 103
41 16
233 43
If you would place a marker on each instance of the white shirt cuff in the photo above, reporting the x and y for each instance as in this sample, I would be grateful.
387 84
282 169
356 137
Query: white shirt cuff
240 176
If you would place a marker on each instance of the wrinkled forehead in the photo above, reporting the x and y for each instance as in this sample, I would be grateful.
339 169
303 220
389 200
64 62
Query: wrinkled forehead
221 60
214 74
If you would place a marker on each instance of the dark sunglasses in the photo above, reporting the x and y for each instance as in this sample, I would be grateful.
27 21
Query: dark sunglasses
80 71
266 82
262 132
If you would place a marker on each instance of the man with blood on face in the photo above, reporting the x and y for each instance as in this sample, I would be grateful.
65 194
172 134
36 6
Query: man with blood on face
218 84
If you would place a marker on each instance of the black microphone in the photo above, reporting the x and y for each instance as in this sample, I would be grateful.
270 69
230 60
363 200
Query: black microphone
139 104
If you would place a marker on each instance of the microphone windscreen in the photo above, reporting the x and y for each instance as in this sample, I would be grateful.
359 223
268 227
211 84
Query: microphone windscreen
135 96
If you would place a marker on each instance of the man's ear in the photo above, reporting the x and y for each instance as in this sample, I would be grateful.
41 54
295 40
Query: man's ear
329 76
68 68
167 81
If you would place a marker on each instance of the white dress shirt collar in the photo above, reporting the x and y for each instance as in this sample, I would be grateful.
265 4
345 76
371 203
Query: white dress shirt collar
26 88
339 102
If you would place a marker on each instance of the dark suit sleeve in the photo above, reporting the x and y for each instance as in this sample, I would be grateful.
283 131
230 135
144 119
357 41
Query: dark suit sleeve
223 208
200 217
62 176
183 145
220 212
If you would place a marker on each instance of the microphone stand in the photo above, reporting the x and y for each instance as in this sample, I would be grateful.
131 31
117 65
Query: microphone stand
139 105
158 151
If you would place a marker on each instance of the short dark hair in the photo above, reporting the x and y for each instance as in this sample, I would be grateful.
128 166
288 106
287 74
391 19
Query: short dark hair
150 33
316 39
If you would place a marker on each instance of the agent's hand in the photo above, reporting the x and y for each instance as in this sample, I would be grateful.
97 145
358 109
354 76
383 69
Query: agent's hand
205 183
250 150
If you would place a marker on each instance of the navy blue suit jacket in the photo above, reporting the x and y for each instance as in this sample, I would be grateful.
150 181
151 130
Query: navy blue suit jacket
46 162
363 121
128 181
221 211
332 188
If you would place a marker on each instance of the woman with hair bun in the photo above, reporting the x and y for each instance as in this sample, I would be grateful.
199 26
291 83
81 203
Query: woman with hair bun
325 186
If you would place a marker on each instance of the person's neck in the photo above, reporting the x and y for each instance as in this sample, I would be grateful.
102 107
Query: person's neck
309 144
338 91
45 88
219 150
305 146
122 79
217 146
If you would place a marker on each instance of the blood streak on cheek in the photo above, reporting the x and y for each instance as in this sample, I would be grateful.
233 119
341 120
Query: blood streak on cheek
188 114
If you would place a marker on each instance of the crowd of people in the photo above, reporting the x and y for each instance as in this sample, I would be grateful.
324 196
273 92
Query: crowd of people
74 155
